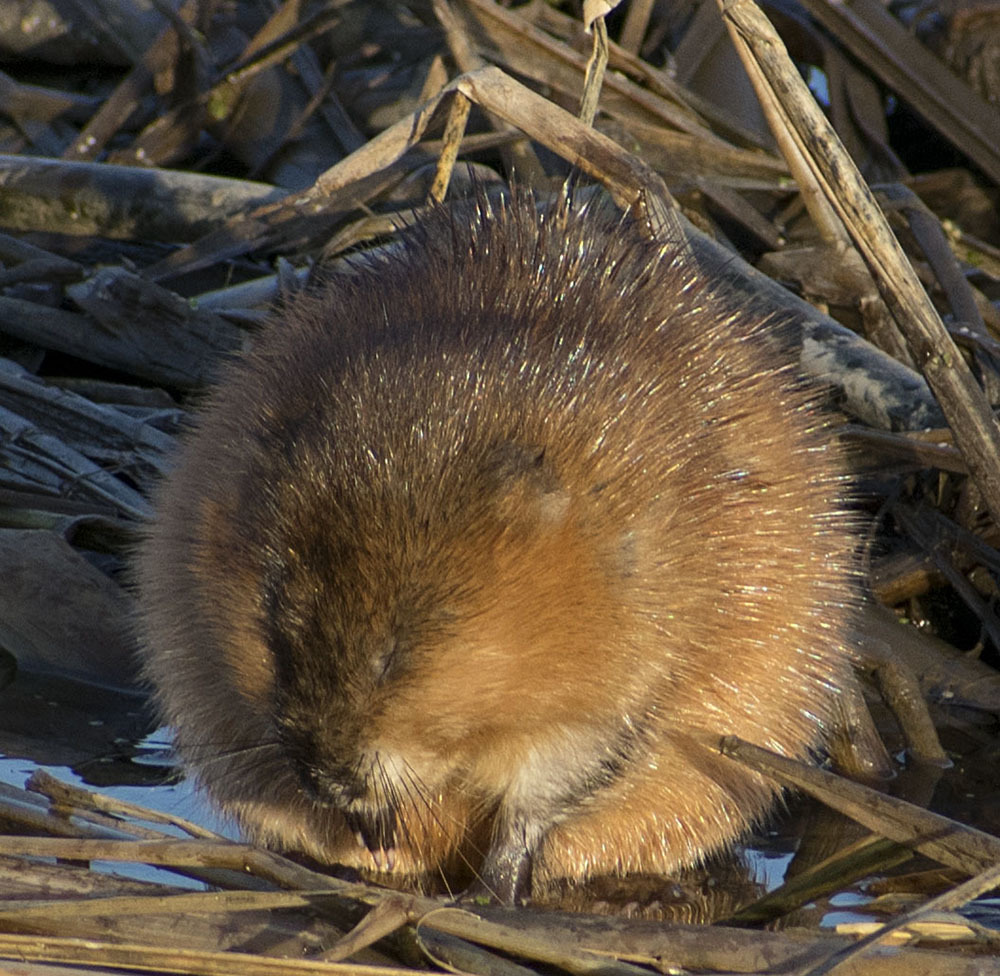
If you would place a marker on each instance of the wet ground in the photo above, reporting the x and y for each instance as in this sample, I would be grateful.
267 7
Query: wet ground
102 739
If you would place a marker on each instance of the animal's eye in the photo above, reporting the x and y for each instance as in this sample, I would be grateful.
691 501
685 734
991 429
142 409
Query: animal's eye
386 661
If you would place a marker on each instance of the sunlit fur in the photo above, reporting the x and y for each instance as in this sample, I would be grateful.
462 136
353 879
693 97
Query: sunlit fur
483 537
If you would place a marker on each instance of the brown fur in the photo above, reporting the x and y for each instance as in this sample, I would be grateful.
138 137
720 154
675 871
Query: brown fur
473 546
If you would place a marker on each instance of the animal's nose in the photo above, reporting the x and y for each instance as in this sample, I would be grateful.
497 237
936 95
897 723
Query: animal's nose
329 788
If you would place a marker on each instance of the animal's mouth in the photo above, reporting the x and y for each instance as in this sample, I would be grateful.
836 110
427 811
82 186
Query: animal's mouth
370 796
374 828
373 825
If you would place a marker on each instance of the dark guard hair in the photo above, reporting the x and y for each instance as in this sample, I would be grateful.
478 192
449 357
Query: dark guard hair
467 555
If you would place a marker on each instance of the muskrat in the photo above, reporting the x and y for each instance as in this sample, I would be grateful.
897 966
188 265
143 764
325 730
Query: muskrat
469 553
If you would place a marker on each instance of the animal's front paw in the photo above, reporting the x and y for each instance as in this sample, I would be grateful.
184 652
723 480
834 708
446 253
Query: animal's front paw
504 878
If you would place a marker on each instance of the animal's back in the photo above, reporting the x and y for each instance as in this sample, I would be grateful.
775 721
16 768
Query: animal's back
476 543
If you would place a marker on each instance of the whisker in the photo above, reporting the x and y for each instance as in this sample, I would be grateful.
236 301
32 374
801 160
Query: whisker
465 836
392 803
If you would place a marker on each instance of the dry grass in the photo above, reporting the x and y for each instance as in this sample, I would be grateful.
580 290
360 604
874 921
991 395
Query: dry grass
128 273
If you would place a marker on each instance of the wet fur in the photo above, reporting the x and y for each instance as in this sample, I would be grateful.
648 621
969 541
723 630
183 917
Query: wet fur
473 546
